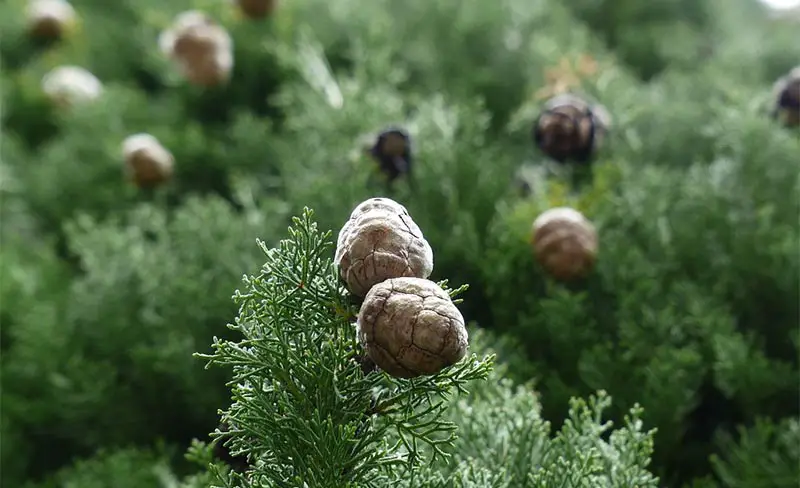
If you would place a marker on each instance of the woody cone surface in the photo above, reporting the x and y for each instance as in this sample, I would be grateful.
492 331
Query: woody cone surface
410 327
378 242
565 243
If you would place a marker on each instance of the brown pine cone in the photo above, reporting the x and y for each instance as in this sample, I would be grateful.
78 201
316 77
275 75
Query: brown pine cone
570 129
381 241
786 95
565 243
50 19
148 163
410 327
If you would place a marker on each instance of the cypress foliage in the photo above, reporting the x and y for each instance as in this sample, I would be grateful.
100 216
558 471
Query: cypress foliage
113 296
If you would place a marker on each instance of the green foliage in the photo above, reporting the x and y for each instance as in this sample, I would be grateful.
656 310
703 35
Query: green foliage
457 171
374 430
503 438
499 48
123 468
650 36
691 312
678 316
744 463
109 361
303 411
505 443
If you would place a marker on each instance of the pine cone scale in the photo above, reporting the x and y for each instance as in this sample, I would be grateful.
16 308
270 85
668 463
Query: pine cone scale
410 325
378 242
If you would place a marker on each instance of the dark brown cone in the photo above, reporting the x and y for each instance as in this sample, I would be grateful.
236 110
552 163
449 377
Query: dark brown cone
257 9
392 151
787 105
48 28
568 130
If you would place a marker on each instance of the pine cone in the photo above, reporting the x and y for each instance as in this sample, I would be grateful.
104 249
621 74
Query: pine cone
147 161
66 86
565 243
378 242
50 19
570 129
256 9
209 71
786 94
410 327
201 48
392 151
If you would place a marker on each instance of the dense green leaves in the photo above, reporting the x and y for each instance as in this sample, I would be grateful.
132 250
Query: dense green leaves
691 312
108 359
744 463
303 411
126 468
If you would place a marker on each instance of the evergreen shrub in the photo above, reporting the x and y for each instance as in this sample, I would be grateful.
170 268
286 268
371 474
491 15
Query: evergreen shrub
689 319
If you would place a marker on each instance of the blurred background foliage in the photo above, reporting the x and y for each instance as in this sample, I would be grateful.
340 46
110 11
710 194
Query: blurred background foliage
692 311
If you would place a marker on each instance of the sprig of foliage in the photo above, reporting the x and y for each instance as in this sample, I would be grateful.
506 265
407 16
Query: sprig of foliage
765 455
304 413
579 457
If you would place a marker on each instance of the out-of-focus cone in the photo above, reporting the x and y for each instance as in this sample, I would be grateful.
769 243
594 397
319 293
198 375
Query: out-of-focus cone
147 162
67 86
201 48
565 243
256 9
392 151
50 19
571 129
786 98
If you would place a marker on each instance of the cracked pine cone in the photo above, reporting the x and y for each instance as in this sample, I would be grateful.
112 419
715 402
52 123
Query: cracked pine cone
786 96
378 242
410 327
200 47
565 243
571 129
50 19
147 162
392 151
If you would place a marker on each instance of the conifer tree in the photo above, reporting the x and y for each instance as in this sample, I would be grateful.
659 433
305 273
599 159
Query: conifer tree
668 126
304 412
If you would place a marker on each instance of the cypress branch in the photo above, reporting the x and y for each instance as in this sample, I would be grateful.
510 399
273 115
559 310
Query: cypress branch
304 413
